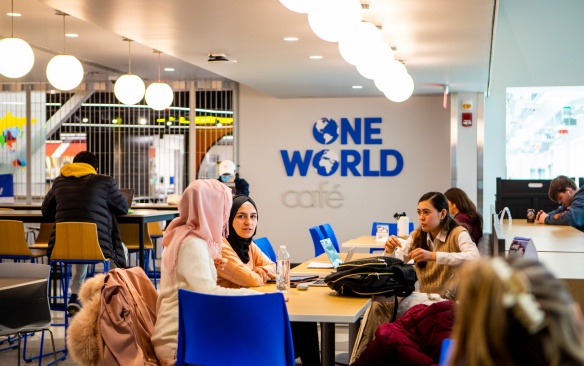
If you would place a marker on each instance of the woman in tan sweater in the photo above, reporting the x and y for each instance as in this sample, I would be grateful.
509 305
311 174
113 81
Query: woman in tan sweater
438 246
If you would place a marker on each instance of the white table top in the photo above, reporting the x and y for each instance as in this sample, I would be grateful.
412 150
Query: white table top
564 265
303 270
365 241
321 304
547 238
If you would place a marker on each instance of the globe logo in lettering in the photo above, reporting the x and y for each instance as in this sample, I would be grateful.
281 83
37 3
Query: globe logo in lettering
325 131
326 162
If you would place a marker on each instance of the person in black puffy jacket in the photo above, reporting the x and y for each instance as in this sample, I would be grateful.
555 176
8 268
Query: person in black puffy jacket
79 194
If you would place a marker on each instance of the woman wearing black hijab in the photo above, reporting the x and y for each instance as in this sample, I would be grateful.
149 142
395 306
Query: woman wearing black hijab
248 266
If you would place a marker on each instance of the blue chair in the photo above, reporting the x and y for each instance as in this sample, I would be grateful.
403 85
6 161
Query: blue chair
317 236
266 247
328 232
202 342
392 227
392 230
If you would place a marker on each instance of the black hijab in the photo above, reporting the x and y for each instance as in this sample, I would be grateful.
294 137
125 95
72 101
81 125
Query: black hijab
239 244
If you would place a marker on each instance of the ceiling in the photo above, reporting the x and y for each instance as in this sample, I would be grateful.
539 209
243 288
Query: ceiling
440 41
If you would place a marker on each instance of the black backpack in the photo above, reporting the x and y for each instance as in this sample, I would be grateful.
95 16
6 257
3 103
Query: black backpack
373 276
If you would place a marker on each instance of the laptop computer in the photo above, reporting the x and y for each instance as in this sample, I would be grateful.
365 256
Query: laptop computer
128 194
333 256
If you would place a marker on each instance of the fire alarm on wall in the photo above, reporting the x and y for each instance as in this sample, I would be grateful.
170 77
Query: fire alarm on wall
467 119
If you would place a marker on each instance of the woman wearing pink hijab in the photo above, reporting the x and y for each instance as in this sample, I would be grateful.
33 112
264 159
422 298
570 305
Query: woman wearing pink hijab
192 251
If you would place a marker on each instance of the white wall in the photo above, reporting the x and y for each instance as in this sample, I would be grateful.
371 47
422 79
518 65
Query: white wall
418 128
538 43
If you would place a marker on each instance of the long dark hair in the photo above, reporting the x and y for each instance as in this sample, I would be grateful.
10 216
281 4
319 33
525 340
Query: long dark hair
439 202
465 205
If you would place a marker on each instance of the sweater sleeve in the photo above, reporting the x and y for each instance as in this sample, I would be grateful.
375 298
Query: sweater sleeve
468 251
236 271
196 267
573 215
262 261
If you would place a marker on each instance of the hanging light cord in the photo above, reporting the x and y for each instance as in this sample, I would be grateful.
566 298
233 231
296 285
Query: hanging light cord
64 33
129 56
12 21
159 65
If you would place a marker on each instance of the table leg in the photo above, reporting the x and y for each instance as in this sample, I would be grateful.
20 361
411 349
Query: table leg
141 247
353 331
327 344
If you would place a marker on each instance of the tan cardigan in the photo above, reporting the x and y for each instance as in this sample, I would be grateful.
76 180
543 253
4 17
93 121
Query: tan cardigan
237 274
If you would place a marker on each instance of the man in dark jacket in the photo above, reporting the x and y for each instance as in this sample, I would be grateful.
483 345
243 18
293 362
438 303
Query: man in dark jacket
228 176
564 191
79 194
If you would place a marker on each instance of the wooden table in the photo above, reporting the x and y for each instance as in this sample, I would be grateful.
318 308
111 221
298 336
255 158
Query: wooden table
140 217
13 282
547 238
22 206
303 270
321 304
154 206
365 241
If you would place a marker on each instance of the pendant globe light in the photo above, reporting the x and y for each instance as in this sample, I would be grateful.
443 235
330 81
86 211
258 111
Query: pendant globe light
159 95
16 56
64 71
129 88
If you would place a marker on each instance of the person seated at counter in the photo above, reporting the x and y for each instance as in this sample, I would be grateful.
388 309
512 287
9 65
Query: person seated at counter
80 194
515 313
438 246
564 191
465 212
248 266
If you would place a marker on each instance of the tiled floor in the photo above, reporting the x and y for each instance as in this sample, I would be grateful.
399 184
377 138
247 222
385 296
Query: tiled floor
9 357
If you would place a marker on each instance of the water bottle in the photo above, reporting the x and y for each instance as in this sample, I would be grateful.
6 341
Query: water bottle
283 271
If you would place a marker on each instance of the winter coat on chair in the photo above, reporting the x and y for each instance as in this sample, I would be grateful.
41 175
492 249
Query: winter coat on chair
115 323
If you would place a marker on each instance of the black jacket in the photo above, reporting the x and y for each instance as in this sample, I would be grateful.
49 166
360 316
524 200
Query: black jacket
241 185
88 198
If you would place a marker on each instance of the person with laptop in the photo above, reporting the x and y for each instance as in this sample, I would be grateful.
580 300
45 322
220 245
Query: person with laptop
438 246
80 194
248 266
564 191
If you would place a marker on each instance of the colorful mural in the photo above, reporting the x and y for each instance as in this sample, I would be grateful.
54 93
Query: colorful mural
10 131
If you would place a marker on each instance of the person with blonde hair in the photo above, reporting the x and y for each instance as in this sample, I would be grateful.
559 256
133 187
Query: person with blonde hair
515 313
192 252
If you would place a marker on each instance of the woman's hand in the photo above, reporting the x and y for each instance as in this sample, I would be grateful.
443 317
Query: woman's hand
421 255
392 243
220 263
262 274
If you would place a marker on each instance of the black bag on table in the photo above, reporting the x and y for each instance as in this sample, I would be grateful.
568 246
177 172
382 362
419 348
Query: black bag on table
366 277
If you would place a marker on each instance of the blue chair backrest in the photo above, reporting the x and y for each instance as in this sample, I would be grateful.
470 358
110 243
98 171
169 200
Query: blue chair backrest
317 236
392 227
202 339
328 232
266 247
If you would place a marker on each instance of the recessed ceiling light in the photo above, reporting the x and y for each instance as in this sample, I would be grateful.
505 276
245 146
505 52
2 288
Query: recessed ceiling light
71 35
169 69
143 121
357 86
291 39
315 57
85 120
14 14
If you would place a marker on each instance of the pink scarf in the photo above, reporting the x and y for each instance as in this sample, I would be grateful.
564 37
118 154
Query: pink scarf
203 213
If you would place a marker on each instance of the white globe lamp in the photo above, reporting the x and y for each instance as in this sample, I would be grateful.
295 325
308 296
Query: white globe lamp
388 74
298 6
65 72
129 89
17 58
355 44
401 90
330 19
159 96
378 56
